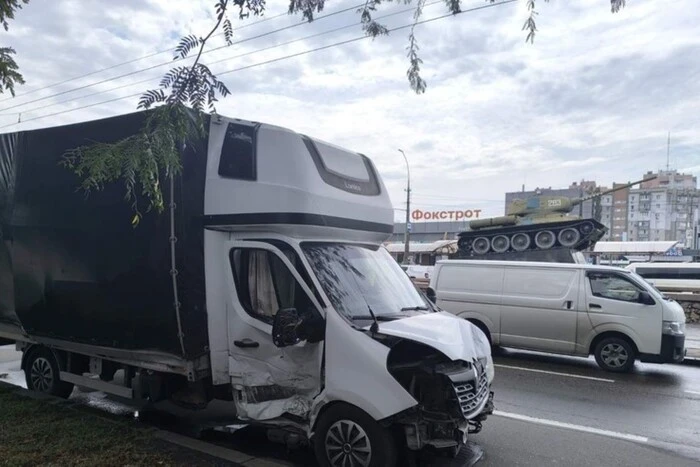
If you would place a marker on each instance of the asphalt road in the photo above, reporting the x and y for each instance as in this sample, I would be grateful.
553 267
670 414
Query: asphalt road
554 410
550 410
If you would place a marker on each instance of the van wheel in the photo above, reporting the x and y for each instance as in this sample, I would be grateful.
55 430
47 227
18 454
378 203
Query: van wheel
41 372
615 354
347 436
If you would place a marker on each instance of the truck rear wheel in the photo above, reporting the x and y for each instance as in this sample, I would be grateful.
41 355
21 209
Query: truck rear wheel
41 372
347 436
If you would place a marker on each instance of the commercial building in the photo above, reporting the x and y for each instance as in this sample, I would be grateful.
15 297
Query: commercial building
428 232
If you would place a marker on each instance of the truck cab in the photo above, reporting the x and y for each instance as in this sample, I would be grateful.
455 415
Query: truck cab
315 326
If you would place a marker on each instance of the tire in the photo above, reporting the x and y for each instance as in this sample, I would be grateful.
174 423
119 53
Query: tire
615 354
334 424
41 372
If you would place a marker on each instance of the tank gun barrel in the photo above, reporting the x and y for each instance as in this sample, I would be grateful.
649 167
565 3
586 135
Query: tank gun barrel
577 201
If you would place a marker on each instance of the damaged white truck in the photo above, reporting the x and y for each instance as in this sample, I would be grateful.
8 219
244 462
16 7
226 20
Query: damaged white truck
264 283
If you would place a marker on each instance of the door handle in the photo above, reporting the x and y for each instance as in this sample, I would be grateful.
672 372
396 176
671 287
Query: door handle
594 305
568 304
246 344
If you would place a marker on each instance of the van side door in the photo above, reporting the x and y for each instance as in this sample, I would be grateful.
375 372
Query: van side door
614 303
538 309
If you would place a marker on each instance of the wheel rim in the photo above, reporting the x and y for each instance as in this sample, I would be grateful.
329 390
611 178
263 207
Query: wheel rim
41 375
545 239
500 243
569 237
614 355
481 245
520 242
586 228
347 445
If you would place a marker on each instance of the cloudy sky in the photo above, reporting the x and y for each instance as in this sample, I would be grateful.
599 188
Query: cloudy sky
594 97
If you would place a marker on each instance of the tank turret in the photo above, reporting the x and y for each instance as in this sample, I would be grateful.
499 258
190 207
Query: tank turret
540 222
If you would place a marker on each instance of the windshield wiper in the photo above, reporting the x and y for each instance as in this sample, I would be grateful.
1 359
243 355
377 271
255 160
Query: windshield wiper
415 308
378 317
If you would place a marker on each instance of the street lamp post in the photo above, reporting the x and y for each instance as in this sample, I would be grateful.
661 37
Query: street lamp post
407 234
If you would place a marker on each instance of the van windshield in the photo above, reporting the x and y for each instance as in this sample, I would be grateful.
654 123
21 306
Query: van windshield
360 280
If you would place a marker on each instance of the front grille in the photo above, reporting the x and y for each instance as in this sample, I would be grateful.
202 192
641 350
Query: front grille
471 394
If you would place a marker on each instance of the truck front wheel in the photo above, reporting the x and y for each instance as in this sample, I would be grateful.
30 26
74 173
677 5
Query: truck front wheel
347 436
41 371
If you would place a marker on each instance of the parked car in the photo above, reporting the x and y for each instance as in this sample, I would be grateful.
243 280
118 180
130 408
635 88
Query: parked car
564 308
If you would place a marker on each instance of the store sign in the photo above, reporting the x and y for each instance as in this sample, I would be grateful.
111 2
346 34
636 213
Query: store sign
674 252
419 215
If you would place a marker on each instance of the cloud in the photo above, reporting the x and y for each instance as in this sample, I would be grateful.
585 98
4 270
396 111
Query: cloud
594 97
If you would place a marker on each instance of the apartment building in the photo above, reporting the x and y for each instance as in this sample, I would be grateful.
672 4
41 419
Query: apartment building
614 215
665 208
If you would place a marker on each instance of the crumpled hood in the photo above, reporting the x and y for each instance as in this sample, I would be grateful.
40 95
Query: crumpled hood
455 337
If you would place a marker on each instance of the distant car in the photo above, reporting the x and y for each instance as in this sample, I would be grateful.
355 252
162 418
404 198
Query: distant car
415 271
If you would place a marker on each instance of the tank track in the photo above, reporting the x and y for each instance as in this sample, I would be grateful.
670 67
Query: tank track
573 235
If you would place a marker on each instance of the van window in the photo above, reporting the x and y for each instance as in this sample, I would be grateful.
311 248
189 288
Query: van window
237 158
471 279
542 282
265 285
613 286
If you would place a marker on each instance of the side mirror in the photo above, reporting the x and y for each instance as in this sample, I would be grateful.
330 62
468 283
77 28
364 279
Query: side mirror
646 299
430 293
291 327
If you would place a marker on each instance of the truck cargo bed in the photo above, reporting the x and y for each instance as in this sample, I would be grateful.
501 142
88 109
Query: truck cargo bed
72 267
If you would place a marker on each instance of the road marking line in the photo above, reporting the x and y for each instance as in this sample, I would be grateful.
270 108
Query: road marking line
697 393
571 426
570 375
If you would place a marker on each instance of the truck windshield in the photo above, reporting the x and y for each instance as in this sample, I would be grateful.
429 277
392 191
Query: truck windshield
358 279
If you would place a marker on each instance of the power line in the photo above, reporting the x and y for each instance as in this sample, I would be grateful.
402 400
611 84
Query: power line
286 57
147 80
128 62
136 72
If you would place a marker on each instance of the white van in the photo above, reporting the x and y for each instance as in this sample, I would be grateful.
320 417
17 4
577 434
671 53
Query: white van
574 309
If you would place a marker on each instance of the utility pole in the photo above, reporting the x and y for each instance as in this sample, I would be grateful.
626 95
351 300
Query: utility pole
407 233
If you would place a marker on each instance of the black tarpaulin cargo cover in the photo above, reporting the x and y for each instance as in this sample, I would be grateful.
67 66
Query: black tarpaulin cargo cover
74 268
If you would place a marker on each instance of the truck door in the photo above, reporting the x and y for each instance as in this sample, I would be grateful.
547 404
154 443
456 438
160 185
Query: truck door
269 381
